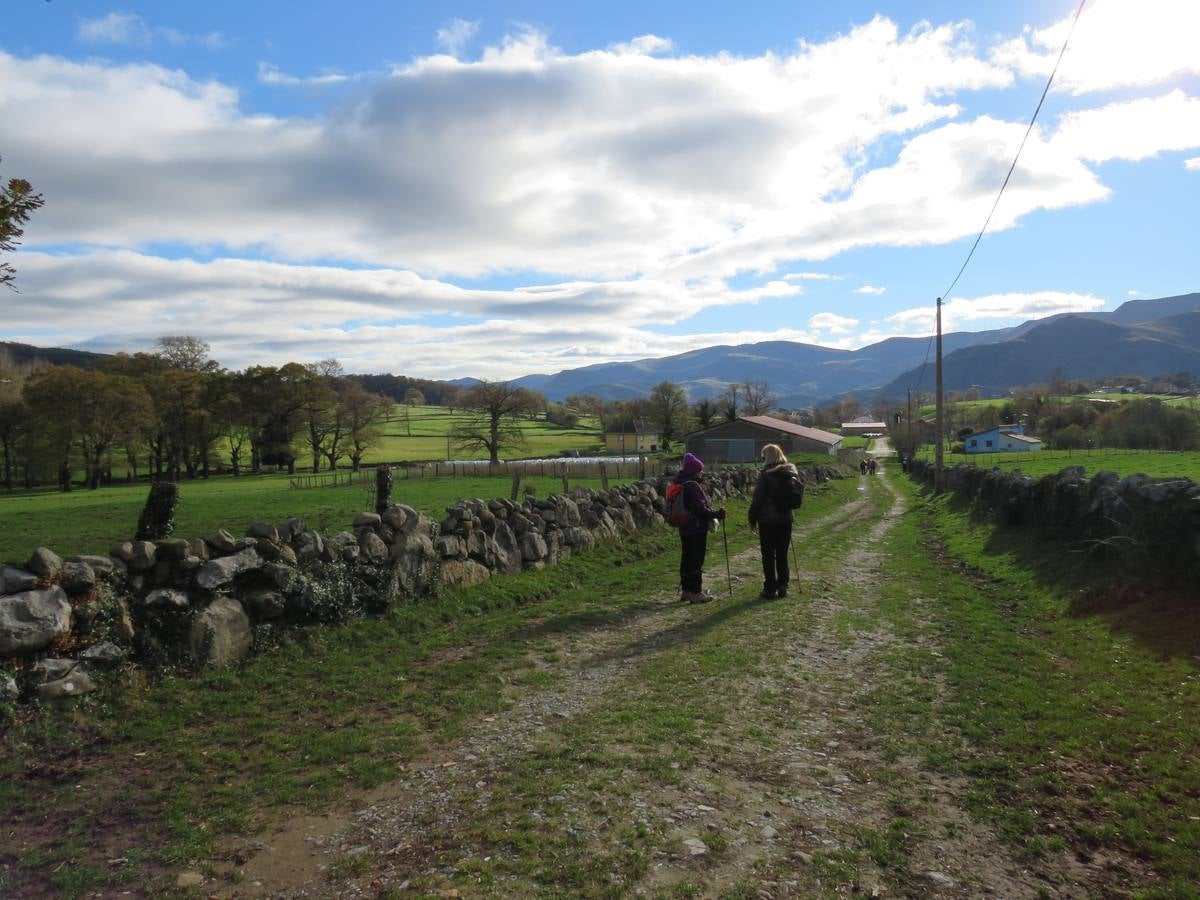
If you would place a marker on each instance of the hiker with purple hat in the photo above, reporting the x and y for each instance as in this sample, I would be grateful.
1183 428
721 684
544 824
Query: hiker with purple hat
693 530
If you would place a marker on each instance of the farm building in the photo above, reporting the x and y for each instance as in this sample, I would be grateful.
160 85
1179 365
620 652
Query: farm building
628 441
864 427
742 440
1002 439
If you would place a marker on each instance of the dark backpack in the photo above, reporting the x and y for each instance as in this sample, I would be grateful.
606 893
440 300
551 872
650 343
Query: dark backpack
791 492
674 511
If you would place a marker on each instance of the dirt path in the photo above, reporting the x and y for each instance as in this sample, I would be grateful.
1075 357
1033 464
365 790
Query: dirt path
789 793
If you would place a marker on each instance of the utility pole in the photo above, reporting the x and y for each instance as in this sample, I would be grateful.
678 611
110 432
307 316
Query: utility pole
937 451
909 445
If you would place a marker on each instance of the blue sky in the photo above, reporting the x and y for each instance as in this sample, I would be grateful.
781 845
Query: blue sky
495 189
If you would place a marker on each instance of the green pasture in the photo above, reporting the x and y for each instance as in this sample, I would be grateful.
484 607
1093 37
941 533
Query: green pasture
93 521
422 433
928 410
1155 463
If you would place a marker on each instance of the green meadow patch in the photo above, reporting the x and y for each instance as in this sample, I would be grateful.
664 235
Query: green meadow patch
93 521
1155 463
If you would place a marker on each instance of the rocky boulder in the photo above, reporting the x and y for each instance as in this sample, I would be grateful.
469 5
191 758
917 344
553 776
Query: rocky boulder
31 620
221 634
45 563
217 573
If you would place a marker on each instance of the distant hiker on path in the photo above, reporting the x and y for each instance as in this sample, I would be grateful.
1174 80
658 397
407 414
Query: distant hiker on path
771 513
691 514
871 464
862 466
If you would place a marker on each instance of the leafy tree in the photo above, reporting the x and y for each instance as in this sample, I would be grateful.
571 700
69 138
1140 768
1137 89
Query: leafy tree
413 397
320 412
704 410
669 411
17 203
495 408
182 351
561 414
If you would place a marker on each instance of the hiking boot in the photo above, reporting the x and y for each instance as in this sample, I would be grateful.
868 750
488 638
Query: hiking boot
701 597
782 592
767 594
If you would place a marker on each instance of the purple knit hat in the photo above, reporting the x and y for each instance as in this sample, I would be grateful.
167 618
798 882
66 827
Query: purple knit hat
692 464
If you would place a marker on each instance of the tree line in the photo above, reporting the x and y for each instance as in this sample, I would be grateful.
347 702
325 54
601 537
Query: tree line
176 413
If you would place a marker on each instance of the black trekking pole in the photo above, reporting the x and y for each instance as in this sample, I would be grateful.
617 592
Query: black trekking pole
728 573
795 564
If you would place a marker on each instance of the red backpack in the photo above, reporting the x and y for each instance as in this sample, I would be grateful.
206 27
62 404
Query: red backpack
674 511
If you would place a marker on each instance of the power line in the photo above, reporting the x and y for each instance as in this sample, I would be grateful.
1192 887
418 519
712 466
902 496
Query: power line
1011 169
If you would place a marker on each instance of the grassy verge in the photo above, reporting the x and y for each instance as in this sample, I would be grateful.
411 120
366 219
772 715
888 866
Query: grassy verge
1078 735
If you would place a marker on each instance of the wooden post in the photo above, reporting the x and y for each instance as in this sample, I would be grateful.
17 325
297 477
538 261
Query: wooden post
566 485
516 484
604 476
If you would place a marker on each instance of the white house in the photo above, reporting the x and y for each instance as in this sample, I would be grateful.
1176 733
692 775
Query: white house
1002 439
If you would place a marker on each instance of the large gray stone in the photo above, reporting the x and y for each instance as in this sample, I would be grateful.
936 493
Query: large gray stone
373 547
533 547
198 548
29 621
217 573
450 546
8 688
141 556
367 520
264 532
221 634
101 565
309 545
221 541
282 576
45 563
172 549
394 517
77 578
14 581
458 573
74 685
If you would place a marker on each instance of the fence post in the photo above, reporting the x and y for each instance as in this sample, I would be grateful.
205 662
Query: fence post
566 485
383 488
604 476
516 483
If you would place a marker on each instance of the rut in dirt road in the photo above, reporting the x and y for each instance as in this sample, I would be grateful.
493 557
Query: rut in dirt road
690 751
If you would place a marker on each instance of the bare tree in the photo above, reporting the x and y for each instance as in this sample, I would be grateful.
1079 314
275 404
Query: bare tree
731 402
495 408
705 410
757 398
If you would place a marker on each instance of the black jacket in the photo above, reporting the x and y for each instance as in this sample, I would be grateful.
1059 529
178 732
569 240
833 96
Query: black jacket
765 506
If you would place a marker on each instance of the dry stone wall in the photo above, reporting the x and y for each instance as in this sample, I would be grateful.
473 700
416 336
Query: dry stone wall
210 599
1149 526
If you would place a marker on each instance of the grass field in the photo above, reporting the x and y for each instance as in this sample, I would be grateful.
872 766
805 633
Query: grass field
1157 464
420 433
93 521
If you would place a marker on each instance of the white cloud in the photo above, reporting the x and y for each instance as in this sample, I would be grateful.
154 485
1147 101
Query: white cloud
454 36
1133 293
131 29
811 276
869 289
1193 164
365 315
832 323
999 308
1134 130
269 74
1117 44
645 45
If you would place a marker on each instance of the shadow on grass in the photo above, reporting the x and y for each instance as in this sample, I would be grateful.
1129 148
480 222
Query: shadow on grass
681 633
1160 616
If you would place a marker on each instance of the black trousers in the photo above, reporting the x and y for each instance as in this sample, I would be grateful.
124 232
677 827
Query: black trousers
691 560
773 540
